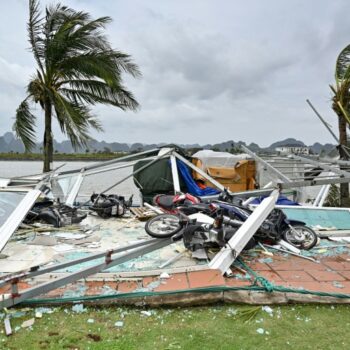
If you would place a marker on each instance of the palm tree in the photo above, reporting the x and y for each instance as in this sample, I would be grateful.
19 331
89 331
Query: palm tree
76 67
341 106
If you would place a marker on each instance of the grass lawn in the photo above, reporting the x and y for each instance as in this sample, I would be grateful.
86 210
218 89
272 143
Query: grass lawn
213 327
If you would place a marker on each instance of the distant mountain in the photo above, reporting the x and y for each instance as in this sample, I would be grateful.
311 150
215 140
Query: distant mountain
289 141
8 143
317 148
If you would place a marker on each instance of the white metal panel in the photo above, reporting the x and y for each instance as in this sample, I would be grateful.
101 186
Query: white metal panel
17 216
74 191
175 174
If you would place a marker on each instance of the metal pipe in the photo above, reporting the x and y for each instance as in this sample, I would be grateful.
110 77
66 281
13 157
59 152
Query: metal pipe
37 270
61 281
324 195
268 165
132 174
328 127
321 165
112 161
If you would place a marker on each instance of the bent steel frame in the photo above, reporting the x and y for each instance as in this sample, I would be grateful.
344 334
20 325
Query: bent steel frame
16 217
126 253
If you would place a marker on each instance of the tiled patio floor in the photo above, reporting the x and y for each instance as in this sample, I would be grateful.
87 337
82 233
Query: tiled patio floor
331 274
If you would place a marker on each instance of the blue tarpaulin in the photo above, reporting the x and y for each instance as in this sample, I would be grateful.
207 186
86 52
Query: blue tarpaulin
282 200
192 186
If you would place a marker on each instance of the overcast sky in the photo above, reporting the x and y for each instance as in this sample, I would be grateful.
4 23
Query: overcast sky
212 70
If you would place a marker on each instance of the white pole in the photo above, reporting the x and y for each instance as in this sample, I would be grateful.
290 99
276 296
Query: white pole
324 195
175 174
228 254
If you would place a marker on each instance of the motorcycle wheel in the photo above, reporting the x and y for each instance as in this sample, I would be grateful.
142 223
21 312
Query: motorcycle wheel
163 226
300 236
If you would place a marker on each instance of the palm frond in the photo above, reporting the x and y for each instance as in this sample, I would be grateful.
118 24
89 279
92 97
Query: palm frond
34 27
94 91
342 71
102 64
74 120
24 125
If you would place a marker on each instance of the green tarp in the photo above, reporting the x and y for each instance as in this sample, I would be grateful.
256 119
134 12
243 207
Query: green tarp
155 179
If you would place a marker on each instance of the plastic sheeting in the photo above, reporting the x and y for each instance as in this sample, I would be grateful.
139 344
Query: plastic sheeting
282 200
192 187
211 158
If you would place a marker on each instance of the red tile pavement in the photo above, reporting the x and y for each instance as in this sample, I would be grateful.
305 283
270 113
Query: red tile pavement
328 287
296 264
313 286
149 279
271 276
338 266
206 278
295 276
127 286
177 281
325 276
258 266
234 282
332 275
345 274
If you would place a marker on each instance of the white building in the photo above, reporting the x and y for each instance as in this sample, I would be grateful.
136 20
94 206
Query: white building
293 149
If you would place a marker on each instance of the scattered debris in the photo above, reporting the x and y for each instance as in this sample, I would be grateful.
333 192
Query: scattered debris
292 253
44 310
338 284
146 313
70 235
119 324
267 309
78 308
164 275
200 254
44 240
260 331
172 260
248 314
8 329
265 251
38 314
28 323
90 320
60 248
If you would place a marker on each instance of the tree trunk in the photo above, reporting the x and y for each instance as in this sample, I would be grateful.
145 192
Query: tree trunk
344 187
48 144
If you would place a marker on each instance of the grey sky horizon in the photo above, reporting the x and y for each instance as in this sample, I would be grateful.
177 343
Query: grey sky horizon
212 71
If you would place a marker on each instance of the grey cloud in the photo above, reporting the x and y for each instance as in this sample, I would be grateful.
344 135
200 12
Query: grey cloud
241 70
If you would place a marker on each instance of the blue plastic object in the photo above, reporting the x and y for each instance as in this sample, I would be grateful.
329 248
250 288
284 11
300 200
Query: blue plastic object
282 200
192 187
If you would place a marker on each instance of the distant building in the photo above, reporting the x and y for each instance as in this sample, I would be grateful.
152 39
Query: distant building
293 149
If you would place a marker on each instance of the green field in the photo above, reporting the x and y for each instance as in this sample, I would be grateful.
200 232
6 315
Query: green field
213 327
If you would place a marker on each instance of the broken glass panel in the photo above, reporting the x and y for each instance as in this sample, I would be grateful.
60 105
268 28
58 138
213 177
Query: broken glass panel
8 203
61 187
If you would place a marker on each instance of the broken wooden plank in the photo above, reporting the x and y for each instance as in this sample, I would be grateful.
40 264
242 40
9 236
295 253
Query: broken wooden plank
142 213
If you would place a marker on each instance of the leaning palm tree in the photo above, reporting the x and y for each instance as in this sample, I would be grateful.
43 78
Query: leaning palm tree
341 106
76 68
